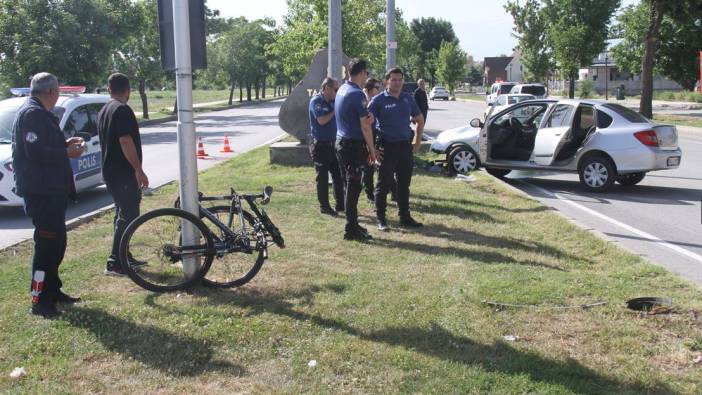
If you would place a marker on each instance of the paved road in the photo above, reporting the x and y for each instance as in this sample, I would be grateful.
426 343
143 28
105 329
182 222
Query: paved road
660 219
247 127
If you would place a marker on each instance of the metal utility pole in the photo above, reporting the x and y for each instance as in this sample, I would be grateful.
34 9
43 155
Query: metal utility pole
186 127
606 76
335 50
390 35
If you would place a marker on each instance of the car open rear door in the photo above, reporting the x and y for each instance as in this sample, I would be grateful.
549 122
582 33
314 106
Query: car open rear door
556 128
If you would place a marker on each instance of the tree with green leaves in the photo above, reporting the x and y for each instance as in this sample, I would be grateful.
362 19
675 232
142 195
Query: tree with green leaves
577 32
531 29
138 56
431 32
661 37
451 65
72 39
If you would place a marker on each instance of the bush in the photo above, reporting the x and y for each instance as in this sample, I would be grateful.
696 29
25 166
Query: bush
585 89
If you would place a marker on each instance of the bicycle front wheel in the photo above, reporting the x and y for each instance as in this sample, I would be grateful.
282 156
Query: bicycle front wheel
237 268
153 255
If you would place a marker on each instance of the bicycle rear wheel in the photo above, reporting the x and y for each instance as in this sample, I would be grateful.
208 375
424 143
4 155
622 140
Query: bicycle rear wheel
237 268
152 253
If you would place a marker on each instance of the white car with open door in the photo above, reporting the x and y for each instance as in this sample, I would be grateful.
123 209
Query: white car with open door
603 142
77 114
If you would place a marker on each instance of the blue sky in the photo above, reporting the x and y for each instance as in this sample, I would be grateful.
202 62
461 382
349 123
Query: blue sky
482 26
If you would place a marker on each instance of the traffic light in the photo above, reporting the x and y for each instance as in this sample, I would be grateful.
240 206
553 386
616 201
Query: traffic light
198 53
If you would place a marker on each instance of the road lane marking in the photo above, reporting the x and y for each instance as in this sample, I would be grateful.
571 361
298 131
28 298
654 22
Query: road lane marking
647 236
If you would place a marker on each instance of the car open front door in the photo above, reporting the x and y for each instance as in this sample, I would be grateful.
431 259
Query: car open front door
483 137
556 128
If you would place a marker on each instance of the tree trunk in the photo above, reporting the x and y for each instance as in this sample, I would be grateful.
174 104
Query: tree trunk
655 18
248 91
571 85
263 86
257 88
144 99
241 91
231 93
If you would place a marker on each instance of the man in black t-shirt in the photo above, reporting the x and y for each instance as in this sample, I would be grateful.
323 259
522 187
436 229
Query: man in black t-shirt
121 162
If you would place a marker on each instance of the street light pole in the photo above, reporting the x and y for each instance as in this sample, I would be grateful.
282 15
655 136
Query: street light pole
390 35
335 51
606 78
186 127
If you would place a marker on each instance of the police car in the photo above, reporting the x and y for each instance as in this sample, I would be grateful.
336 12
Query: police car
77 113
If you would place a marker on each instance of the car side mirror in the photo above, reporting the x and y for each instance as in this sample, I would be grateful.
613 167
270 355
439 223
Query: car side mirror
475 122
491 104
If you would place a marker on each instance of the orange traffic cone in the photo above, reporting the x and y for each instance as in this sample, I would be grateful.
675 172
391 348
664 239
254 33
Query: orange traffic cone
201 154
226 147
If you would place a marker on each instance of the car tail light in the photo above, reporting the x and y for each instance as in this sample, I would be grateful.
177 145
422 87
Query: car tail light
9 167
647 137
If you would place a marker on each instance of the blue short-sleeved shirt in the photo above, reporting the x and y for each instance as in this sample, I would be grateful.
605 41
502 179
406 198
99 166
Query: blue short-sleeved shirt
394 115
350 107
320 107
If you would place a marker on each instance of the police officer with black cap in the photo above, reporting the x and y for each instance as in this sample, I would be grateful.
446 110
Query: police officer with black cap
44 178
354 142
323 128
394 109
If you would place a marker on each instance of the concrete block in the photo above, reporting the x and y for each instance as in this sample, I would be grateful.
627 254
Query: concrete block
290 154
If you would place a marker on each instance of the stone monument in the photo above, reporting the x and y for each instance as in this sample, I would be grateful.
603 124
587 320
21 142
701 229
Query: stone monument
293 117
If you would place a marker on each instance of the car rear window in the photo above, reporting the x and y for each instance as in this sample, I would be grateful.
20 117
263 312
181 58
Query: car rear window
534 90
505 88
7 118
603 120
627 113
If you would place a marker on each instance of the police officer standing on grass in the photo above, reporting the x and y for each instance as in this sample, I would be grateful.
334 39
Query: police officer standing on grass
44 178
394 110
323 128
354 143
124 177
371 88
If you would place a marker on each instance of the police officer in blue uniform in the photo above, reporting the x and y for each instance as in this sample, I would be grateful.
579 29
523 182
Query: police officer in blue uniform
394 110
323 128
44 178
354 143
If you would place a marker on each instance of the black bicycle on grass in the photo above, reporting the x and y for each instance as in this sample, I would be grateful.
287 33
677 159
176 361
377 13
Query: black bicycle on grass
238 239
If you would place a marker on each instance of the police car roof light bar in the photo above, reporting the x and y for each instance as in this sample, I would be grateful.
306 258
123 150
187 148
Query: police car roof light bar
62 89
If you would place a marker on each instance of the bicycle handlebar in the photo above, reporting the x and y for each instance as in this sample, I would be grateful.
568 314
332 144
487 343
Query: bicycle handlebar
265 196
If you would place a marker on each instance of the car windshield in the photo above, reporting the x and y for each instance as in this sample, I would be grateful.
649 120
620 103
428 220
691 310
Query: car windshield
534 90
7 118
627 113
505 88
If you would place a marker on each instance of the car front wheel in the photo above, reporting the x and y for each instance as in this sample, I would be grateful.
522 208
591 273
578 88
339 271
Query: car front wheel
462 160
631 179
597 173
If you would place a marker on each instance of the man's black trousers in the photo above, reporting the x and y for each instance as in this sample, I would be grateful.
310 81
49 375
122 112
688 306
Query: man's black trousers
352 157
325 162
399 160
127 197
48 213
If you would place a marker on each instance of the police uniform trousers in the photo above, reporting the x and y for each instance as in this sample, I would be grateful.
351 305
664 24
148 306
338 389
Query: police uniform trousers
48 213
127 197
353 156
398 160
324 157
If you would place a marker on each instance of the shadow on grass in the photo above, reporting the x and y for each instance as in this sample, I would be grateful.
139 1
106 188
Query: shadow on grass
435 341
471 203
175 355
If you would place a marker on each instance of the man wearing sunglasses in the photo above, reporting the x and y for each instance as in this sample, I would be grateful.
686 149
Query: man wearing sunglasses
394 110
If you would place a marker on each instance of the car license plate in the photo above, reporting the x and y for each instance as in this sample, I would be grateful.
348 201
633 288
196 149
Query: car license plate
674 161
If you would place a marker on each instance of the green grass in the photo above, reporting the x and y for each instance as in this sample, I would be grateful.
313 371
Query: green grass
404 314
678 120
470 96
161 102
